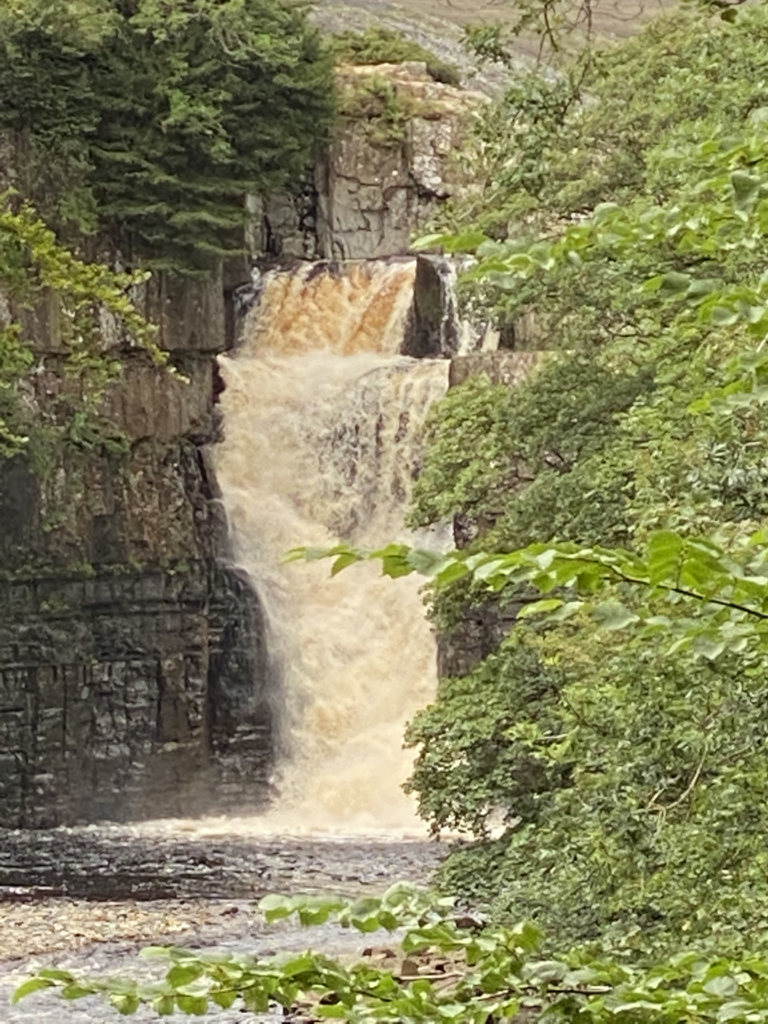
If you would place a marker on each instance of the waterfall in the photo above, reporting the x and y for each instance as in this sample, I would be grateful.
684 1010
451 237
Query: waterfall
322 425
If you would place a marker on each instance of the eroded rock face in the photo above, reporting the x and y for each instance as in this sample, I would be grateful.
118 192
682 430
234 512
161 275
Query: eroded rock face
482 629
382 175
134 678
508 368
381 179
134 675
435 327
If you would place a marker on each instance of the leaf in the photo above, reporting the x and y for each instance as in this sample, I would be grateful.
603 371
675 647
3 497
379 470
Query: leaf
76 991
184 974
466 242
28 987
567 611
737 1009
746 188
674 283
196 1006
490 568
723 316
125 1002
275 907
164 1005
702 288
426 562
391 551
665 549
396 566
298 965
723 985
296 555
343 561
613 615
54 974
454 571
256 999
544 971
428 241
314 910
314 554
547 604
224 999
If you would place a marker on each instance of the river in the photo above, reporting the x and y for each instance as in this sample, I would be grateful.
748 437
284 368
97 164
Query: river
88 899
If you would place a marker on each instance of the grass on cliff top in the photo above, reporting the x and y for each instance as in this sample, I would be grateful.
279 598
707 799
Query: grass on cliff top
387 46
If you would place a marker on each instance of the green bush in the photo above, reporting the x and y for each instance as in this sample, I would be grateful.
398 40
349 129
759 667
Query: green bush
386 46
628 222
378 105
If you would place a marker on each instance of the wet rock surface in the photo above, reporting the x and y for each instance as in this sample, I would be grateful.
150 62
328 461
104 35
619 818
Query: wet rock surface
134 674
89 898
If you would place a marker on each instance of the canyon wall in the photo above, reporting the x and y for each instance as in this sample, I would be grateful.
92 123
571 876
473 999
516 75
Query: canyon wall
390 162
133 674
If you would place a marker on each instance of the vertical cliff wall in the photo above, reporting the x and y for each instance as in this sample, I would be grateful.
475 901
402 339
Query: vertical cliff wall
390 163
133 675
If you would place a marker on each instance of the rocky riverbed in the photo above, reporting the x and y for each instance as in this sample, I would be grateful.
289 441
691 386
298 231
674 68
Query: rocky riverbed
89 898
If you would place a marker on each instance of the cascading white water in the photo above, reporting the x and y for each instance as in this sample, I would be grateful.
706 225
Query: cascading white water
322 439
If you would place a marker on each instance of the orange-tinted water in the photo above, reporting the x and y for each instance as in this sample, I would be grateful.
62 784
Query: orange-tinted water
323 423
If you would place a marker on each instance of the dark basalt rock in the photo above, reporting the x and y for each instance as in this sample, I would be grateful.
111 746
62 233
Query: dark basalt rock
134 676
433 328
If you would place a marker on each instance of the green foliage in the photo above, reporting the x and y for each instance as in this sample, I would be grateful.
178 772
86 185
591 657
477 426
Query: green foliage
653 839
615 501
84 300
387 46
77 23
151 119
544 443
544 159
377 104
471 766
456 968
472 466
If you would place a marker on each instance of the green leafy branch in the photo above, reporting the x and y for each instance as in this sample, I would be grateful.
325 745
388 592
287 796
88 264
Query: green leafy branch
90 302
452 967
721 212
689 588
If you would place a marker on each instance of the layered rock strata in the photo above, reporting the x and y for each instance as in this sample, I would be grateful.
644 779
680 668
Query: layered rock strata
389 164
134 675
133 672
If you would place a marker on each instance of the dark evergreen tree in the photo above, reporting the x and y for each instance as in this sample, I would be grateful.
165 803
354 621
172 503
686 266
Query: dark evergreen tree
153 118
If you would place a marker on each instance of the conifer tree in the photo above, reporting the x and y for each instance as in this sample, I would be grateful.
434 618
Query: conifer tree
153 118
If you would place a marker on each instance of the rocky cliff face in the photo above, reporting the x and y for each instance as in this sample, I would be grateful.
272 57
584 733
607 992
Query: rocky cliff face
389 164
133 671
